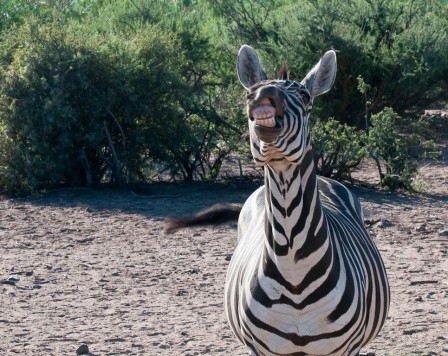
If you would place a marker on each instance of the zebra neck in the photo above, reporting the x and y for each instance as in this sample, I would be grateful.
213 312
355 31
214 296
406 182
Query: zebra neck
295 225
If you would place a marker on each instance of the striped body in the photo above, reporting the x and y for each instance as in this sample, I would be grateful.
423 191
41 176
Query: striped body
305 278
332 301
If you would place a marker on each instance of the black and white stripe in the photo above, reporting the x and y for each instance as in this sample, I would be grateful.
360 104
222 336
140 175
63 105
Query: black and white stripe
305 277
318 287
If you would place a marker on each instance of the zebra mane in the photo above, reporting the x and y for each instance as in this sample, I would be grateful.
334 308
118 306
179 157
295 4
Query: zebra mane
283 72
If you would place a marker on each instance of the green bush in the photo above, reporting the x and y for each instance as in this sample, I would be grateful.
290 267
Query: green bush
394 153
76 111
13 12
114 91
399 48
54 92
106 107
390 54
338 148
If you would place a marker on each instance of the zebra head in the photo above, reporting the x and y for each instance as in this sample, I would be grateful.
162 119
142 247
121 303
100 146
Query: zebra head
278 110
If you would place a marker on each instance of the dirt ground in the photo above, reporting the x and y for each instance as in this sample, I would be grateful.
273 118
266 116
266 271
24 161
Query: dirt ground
94 267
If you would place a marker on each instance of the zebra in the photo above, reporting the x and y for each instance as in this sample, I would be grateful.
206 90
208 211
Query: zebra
305 277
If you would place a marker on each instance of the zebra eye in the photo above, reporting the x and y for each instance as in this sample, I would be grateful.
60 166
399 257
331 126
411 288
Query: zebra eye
305 96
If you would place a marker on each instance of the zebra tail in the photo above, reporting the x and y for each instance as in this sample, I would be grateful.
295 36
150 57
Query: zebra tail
215 215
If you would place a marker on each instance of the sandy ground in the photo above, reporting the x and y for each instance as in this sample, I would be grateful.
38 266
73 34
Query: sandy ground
94 267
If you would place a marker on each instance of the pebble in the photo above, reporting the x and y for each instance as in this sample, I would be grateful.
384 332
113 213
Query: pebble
421 228
83 350
430 294
55 268
383 223
165 346
409 332
7 281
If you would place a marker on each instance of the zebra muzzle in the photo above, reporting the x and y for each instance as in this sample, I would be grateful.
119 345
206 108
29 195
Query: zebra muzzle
267 122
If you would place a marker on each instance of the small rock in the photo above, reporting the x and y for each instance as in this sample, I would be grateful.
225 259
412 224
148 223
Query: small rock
443 232
83 350
165 346
383 223
14 278
409 332
430 294
86 240
421 228
193 271
55 268
181 293
6 281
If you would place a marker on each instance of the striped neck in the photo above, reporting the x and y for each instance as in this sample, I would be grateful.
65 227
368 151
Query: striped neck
295 225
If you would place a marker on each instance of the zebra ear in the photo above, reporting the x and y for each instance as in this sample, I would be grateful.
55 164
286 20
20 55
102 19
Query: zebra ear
321 78
249 67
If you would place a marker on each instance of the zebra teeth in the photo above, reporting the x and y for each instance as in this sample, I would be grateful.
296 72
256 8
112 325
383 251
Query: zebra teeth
267 122
263 111
264 115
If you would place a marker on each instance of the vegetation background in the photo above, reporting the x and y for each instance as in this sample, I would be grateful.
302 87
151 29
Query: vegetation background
125 91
